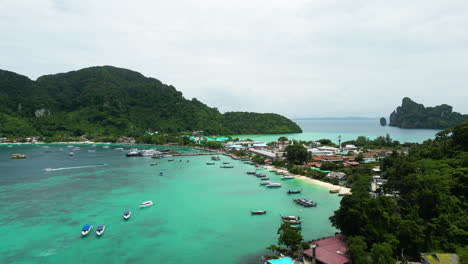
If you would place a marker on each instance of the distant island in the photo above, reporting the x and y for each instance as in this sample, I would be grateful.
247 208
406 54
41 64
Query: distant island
108 100
413 115
336 118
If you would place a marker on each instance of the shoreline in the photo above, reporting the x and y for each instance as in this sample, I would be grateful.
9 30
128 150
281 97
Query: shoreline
326 185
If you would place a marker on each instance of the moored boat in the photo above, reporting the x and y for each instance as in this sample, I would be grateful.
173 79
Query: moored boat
264 178
294 191
260 175
305 202
292 222
100 229
335 191
18 156
133 153
153 164
274 185
251 172
85 230
265 183
71 154
210 163
287 177
146 204
127 214
226 162
290 217
258 212
226 167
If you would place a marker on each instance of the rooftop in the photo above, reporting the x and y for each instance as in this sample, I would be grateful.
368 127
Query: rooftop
330 250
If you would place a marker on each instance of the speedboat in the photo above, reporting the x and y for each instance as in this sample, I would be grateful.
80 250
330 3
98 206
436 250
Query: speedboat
100 229
274 185
260 175
127 214
210 163
251 172
85 230
91 150
153 164
265 183
294 191
264 178
106 147
48 169
258 212
71 154
287 177
146 204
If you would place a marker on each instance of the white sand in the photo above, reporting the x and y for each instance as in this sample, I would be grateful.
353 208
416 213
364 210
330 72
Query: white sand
329 186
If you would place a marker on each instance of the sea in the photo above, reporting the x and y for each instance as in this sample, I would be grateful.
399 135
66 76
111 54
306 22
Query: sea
201 213
348 130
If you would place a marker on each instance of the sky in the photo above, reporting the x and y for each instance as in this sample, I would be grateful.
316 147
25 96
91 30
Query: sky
315 58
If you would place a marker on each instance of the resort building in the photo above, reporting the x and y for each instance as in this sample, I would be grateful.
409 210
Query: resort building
317 152
330 250
336 175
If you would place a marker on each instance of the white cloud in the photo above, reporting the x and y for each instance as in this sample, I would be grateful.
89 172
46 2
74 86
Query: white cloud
298 58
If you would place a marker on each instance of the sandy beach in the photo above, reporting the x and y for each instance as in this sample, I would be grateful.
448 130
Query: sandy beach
329 186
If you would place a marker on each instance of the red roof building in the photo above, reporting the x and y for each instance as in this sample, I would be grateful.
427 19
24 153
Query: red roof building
330 250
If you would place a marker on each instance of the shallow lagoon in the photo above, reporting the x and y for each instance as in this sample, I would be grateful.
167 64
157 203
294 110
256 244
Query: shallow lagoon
201 212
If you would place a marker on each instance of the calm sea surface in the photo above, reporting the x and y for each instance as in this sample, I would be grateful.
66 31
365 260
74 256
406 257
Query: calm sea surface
348 129
201 213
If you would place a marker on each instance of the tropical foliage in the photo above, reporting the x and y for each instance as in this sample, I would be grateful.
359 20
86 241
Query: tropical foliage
424 207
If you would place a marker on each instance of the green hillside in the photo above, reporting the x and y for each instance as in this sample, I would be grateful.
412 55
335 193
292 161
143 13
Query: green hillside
113 101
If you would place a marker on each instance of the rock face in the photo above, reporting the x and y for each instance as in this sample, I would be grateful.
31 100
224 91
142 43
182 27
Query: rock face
383 121
413 115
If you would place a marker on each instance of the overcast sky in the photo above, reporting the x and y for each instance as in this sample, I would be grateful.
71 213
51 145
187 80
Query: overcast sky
297 58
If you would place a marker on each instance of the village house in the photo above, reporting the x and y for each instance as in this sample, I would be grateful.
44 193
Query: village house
330 250
369 157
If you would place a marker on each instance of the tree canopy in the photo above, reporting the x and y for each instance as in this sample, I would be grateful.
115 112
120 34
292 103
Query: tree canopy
424 208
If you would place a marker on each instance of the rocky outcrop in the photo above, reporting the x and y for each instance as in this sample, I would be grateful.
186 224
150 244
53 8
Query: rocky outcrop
413 115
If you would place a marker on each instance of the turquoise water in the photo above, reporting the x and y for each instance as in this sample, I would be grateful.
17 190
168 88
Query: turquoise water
201 213
348 129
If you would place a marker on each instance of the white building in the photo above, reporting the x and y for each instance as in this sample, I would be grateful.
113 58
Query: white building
317 152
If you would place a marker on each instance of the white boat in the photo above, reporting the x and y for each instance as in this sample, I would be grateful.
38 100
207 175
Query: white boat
71 154
69 146
146 204
265 182
287 177
149 152
49 169
119 149
133 153
100 229
127 214
85 230
274 185
91 150
106 147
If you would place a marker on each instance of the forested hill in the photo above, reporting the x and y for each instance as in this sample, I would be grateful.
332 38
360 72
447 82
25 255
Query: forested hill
113 101
413 115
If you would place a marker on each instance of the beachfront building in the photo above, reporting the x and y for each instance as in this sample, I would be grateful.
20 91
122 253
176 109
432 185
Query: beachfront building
330 250
336 175
317 152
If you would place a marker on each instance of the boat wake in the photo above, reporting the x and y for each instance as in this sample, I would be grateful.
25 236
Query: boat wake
71 168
